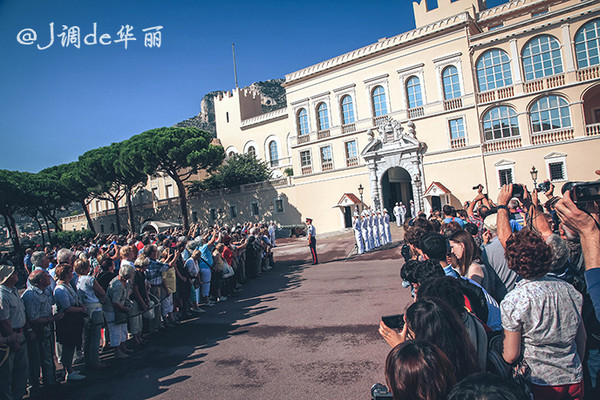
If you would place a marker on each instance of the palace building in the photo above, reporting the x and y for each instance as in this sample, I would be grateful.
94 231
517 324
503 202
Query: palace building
470 96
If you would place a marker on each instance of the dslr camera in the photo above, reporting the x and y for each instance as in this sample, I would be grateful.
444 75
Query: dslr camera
544 186
583 192
380 392
476 187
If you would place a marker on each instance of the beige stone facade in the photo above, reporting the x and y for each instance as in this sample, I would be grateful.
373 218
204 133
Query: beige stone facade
471 95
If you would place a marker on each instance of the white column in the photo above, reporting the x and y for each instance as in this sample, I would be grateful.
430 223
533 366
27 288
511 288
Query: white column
515 61
567 48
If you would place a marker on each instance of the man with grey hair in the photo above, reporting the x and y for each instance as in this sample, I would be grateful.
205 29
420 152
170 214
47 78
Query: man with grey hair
41 262
65 256
38 308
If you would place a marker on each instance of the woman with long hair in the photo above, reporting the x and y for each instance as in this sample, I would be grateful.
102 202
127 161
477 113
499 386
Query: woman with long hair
418 370
435 322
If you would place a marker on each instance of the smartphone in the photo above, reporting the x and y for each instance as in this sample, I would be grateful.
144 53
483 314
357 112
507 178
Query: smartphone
394 321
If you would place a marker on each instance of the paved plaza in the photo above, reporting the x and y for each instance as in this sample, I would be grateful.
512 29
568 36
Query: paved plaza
297 332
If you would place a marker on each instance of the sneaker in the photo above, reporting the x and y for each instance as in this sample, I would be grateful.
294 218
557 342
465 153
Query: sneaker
75 376
222 298
198 311
210 304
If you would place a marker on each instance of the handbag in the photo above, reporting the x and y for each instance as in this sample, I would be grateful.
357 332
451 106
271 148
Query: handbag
227 270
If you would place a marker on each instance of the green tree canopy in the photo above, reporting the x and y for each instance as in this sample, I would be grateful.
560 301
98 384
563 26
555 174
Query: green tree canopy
178 152
240 169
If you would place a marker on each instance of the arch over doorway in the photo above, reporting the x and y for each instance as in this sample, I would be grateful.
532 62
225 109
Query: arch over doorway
396 186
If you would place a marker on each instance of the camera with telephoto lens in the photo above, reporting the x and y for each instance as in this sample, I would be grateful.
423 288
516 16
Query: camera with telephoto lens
544 186
405 252
583 192
380 392
477 187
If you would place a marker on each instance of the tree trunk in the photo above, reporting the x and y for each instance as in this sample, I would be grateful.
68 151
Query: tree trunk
14 235
88 217
115 202
57 227
130 215
182 202
48 229
37 220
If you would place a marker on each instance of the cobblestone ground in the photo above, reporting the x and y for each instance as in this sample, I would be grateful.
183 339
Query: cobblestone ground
297 332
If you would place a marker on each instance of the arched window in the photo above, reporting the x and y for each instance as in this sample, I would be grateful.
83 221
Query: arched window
302 122
587 44
500 122
323 116
413 92
548 113
493 70
451 83
273 154
541 57
252 150
347 110
379 105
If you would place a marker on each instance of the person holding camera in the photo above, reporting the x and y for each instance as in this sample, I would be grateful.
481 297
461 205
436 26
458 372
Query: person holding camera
542 319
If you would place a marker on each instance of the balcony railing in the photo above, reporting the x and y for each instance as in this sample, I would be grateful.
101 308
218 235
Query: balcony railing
554 136
327 166
541 84
555 81
452 104
504 144
347 128
486 97
303 138
325 133
379 120
533 86
457 143
506 92
416 112
352 162
592 130
588 73
307 170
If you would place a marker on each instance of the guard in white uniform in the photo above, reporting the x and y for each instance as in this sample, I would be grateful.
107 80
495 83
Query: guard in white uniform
402 212
396 212
375 230
382 239
386 226
370 230
357 225
364 231
413 209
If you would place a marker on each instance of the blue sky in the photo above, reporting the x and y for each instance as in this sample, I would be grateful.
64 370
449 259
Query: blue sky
59 102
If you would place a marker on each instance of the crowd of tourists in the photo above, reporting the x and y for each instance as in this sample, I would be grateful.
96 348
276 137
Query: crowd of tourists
112 293
506 301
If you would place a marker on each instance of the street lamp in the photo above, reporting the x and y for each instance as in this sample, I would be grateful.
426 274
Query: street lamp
361 189
418 184
534 176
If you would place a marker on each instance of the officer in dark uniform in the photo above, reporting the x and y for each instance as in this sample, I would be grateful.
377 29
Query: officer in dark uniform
311 232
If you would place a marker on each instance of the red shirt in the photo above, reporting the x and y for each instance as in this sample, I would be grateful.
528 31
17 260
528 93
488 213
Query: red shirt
228 255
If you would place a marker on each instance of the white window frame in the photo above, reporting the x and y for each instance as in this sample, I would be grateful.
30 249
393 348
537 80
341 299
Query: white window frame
254 144
449 135
232 210
314 102
339 93
504 165
440 64
554 158
321 156
404 74
370 85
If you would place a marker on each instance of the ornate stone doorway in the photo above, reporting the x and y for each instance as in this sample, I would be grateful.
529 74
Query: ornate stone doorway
396 186
395 161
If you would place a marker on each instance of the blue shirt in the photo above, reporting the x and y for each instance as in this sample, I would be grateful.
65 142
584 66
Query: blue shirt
449 271
460 221
592 278
206 256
